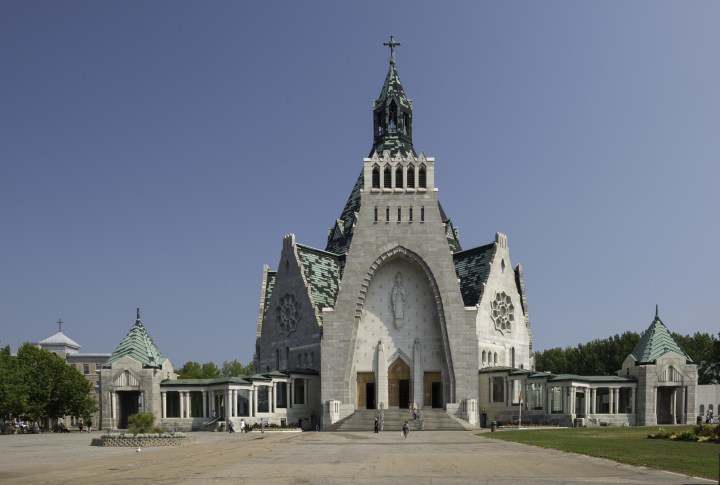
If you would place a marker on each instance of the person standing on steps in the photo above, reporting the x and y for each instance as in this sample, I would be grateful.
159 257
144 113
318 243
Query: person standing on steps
376 426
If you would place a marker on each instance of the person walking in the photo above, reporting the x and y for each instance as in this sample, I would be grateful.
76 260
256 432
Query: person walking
243 429
376 426
405 430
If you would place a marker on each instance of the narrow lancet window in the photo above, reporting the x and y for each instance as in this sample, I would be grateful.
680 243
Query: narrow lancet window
422 182
376 177
388 178
411 177
399 177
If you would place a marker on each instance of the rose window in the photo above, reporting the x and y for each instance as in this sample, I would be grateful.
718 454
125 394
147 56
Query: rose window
503 312
288 313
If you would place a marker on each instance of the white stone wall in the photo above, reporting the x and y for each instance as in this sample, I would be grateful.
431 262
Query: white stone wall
490 339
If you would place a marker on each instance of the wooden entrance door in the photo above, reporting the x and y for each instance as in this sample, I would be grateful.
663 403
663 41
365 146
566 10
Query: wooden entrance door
399 384
366 390
432 390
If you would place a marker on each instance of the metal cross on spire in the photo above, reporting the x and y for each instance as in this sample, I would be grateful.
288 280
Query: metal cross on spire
392 44
59 322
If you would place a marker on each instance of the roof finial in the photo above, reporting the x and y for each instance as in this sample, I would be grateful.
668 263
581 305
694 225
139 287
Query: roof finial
657 311
59 322
392 45
138 315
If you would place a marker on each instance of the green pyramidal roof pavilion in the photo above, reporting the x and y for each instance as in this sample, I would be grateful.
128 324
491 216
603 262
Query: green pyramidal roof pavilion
655 342
138 345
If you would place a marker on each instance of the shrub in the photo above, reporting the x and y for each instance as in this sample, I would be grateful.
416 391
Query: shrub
141 423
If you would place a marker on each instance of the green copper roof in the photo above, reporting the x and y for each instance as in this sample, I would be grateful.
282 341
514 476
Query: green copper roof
655 342
269 285
340 243
473 268
138 345
323 272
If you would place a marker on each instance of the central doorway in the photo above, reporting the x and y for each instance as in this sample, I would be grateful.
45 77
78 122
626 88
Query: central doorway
399 384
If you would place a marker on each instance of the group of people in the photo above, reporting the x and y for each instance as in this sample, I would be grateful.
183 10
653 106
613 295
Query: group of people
709 418
405 431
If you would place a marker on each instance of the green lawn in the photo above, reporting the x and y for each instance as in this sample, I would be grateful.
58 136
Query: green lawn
626 445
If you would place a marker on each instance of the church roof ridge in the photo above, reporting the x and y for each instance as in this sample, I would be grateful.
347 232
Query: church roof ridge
318 250
138 345
655 342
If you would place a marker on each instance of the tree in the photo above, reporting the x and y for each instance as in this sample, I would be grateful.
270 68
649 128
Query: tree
191 370
210 371
52 387
235 369
704 350
13 392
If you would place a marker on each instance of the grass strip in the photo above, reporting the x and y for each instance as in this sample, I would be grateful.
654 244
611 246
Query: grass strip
625 445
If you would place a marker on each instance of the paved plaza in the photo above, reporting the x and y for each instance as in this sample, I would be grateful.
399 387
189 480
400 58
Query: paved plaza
312 458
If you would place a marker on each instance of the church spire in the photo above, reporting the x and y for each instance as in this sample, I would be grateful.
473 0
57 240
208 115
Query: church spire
392 113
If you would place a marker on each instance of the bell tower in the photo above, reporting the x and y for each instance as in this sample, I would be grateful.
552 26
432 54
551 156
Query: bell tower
392 114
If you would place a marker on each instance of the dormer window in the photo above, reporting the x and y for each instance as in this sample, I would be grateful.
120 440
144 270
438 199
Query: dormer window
399 177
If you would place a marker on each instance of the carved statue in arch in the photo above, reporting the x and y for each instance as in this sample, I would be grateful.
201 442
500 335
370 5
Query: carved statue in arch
398 297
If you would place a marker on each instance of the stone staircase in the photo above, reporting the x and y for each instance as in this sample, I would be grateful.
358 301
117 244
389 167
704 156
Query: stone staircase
434 420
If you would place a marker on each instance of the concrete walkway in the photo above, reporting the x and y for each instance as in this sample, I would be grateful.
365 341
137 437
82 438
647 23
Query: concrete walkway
426 457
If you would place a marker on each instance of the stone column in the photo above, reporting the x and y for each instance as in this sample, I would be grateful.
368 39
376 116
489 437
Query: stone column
204 400
593 396
381 377
182 404
673 406
163 395
418 395
255 399
572 400
611 398
189 405
251 401
113 400
632 400
290 393
273 401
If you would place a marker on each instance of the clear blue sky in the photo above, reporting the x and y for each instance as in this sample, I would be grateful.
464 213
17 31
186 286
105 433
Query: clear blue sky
153 154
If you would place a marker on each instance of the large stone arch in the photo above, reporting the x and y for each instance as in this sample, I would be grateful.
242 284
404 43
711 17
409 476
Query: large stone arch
391 253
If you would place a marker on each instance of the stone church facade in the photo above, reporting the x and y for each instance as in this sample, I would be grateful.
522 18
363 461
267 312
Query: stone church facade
393 312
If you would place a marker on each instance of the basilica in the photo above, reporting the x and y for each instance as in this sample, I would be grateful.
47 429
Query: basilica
394 313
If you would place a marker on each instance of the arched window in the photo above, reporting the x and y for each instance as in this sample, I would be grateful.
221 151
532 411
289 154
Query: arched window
299 361
312 359
495 358
702 410
305 359
484 358
411 177
512 353
422 178
387 178
376 177
398 177
392 118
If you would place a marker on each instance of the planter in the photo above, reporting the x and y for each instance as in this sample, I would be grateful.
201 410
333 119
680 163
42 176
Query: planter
142 440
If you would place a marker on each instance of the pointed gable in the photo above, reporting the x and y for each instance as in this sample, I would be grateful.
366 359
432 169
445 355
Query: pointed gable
139 346
655 342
